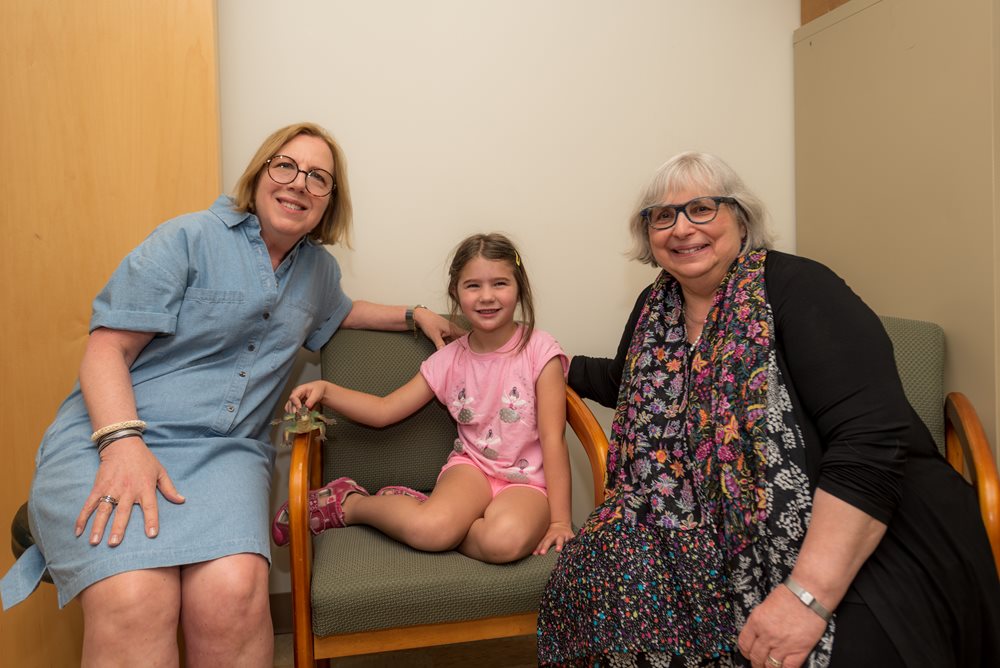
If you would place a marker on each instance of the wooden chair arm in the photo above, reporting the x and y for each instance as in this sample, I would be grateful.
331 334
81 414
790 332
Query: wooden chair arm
592 437
304 474
968 451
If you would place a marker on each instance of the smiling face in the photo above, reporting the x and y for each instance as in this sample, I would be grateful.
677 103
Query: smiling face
698 256
488 296
287 212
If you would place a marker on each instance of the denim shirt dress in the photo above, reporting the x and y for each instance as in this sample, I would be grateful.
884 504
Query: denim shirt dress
228 328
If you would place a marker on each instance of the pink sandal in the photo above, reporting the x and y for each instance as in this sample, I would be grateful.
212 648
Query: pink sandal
399 490
322 516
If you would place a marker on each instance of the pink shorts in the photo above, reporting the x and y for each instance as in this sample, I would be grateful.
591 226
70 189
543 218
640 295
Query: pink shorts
496 484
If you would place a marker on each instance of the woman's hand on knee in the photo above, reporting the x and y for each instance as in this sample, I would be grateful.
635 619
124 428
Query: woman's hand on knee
129 474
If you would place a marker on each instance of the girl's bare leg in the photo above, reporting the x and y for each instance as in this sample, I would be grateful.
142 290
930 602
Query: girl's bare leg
439 523
510 528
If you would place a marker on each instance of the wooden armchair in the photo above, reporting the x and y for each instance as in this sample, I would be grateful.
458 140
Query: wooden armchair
355 591
919 349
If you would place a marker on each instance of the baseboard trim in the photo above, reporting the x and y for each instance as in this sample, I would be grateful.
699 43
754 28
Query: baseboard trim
281 612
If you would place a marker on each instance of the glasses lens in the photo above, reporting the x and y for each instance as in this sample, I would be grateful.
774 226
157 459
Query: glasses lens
282 169
319 182
702 210
661 217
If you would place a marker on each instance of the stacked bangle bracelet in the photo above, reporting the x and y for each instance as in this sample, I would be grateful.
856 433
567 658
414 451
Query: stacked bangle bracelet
108 439
127 424
105 436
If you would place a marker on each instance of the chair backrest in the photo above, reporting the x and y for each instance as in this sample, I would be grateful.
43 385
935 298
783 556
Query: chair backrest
919 350
410 452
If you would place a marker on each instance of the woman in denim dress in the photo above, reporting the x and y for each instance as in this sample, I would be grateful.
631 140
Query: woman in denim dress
191 343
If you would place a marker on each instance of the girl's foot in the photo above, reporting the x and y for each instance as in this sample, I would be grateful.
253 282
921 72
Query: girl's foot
399 490
326 509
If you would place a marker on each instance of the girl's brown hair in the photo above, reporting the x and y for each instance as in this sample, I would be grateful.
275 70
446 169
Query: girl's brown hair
335 226
493 247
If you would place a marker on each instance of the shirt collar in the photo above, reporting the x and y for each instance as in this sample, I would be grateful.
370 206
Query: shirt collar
223 209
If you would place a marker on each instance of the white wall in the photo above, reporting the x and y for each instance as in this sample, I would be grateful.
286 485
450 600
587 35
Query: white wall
539 118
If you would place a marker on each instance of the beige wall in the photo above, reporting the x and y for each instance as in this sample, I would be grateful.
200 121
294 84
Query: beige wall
540 119
109 125
896 155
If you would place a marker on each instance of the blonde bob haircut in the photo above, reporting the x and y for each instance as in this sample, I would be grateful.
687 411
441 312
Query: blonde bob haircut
335 226
710 176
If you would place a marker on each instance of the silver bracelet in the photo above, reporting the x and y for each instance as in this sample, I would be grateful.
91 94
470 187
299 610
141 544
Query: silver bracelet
808 599
118 435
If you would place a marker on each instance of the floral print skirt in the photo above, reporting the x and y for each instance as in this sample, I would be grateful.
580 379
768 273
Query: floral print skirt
622 595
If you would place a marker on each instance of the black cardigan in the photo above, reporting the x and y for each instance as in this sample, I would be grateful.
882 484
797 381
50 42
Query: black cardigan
931 582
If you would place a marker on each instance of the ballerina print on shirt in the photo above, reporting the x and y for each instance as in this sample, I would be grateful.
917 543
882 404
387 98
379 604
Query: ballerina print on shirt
463 411
513 401
486 444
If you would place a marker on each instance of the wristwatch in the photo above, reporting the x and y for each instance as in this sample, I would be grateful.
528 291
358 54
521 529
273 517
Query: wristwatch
411 324
808 599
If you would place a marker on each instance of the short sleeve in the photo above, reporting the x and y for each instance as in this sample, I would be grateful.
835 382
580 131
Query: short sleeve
542 348
336 306
435 368
145 292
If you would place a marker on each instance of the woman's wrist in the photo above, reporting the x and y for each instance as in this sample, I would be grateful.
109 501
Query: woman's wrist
808 599
409 317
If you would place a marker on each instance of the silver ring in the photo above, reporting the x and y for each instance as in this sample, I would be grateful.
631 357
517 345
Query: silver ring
107 498
771 661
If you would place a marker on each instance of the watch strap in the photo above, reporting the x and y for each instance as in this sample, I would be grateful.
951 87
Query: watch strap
808 599
411 324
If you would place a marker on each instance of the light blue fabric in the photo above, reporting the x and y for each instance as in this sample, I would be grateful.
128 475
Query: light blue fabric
228 329
23 577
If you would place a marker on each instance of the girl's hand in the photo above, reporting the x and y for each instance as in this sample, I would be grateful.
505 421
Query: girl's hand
130 473
309 394
782 628
558 534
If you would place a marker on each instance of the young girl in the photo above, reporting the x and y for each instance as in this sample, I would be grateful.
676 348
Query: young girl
504 491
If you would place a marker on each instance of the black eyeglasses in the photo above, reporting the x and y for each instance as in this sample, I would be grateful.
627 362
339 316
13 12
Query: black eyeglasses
699 211
284 170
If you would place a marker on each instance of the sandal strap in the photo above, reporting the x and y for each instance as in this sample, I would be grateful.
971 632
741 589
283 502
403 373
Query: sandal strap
331 513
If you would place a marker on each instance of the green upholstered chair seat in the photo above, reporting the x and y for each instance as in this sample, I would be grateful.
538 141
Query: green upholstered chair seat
363 581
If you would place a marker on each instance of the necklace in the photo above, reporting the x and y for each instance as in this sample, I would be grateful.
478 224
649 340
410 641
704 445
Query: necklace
691 318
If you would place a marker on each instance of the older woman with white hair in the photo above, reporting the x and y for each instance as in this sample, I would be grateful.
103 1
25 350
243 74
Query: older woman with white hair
772 499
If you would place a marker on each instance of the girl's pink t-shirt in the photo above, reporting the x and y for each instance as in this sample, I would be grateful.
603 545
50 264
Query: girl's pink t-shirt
492 398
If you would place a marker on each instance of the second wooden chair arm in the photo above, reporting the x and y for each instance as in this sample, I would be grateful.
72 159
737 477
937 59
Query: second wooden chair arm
968 451
592 438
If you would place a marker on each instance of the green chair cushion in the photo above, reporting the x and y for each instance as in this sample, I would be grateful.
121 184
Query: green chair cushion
363 580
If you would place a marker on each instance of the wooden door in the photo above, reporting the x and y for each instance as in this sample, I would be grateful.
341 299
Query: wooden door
108 126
